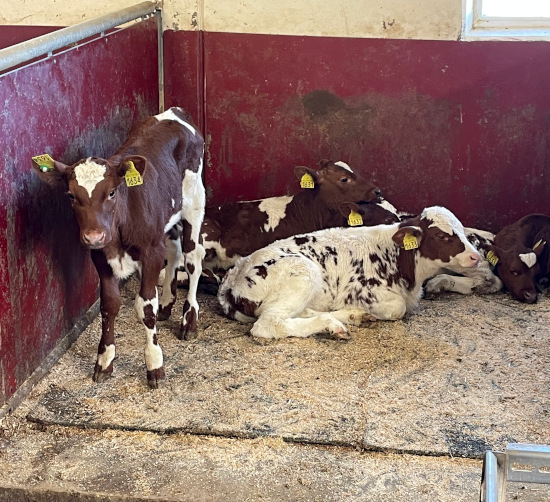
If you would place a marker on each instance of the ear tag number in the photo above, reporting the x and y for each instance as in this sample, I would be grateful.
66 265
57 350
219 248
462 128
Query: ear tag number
492 258
307 181
44 162
538 244
355 219
410 242
132 176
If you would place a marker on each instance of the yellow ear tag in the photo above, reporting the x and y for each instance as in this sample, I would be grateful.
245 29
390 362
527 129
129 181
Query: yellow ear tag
538 244
307 181
492 258
410 242
133 178
355 219
44 162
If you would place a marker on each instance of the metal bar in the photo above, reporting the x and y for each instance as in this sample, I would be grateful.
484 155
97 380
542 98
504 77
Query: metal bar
160 61
36 47
489 482
528 463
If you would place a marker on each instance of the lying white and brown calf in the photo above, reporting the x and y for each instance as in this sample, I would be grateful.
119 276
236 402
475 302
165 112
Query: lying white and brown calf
455 278
132 210
323 280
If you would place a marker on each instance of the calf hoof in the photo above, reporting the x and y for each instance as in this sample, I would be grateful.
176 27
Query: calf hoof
186 333
164 313
100 375
341 335
368 318
154 377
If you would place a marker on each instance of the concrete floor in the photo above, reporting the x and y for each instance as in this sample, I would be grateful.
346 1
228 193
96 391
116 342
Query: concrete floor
402 412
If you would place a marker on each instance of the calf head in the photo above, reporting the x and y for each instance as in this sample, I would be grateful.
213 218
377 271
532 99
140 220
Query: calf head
336 182
519 269
92 186
439 237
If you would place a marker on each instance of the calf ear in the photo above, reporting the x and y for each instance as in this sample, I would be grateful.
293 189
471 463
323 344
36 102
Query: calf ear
300 171
405 237
539 247
139 162
53 176
346 208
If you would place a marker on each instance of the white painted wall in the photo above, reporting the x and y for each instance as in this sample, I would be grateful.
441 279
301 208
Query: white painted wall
417 19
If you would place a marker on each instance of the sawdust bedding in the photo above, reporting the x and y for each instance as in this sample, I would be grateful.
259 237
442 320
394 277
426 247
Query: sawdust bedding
461 375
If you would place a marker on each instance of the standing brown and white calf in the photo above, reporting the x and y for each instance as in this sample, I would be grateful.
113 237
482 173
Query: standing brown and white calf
133 227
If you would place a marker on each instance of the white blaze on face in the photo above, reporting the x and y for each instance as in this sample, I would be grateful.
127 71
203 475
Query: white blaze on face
275 208
344 165
89 174
528 258
170 115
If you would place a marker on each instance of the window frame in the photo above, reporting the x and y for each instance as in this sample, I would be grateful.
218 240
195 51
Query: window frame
479 27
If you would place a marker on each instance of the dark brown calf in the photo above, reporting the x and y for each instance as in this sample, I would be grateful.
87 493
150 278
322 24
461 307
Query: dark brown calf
240 228
521 255
131 226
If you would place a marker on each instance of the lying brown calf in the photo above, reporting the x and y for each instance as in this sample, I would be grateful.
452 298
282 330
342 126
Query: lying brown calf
521 256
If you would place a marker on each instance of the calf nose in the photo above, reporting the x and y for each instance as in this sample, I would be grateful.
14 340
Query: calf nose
94 238
474 259
530 296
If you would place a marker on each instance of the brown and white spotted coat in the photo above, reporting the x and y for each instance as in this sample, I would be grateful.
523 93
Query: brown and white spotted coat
323 280
135 228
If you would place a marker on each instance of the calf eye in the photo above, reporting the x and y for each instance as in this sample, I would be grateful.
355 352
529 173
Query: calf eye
344 180
443 237
71 196
112 194
515 273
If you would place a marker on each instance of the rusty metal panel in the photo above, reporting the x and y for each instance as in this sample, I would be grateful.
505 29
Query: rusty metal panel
433 122
75 104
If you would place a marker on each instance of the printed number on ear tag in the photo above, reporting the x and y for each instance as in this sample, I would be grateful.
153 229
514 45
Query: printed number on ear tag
307 181
354 219
492 258
45 162
132 176
410 242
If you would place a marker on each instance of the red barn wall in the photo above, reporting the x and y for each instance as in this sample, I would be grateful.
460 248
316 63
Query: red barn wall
77 104
461 124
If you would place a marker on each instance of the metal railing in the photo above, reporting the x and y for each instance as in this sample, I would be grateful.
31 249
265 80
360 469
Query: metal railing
45 45
520 463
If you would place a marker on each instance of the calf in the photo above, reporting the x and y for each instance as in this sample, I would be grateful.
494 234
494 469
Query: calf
320 281
522 258
454 278
132 209
240 228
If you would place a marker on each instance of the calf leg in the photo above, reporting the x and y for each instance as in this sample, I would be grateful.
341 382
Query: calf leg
146 307
109 307
284 312
170 284
353 316
193 214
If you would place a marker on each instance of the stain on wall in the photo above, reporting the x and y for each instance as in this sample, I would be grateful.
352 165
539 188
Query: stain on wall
433 122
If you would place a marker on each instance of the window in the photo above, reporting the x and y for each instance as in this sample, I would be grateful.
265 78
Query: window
506 19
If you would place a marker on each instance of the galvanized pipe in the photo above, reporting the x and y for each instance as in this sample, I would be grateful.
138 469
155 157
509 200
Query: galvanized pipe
36 47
